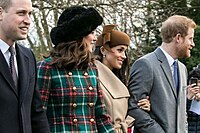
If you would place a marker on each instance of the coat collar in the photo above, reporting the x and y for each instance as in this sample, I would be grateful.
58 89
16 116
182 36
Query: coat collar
4 70
23 71
110 82
166 69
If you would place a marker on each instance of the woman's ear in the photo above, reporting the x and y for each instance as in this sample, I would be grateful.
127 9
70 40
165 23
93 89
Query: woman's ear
102 49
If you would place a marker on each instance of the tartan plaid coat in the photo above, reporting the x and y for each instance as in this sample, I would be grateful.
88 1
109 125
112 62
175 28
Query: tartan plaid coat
72 99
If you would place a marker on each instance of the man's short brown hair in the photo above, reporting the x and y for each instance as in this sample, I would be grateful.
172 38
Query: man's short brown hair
174 25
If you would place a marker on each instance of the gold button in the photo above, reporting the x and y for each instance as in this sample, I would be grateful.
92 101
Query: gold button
70 73
91 120
43 107
75 120
74 105
91 104
90 88
85 74
74 88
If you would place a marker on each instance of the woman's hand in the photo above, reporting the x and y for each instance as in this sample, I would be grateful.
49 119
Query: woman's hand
193 90
197 97
144 104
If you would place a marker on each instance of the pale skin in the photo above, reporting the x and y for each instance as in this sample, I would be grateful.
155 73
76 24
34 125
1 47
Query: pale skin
15 21
180 47
197 96
90 39
193 91
114 59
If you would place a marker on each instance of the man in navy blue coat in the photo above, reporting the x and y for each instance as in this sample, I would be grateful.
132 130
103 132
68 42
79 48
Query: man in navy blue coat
20 103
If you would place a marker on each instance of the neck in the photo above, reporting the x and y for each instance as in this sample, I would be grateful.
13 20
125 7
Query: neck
107 64
170 49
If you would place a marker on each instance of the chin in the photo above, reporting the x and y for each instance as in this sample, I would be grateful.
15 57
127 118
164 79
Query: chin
118 67
187 56
22 37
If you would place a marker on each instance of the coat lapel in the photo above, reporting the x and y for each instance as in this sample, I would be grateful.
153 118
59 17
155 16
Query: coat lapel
4 70
110 82
23 72
166 69
182 77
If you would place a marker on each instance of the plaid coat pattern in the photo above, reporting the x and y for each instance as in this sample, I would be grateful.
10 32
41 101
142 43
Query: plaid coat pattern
72 99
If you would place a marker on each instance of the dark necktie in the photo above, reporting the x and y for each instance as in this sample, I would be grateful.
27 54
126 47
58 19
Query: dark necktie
176 75
12 66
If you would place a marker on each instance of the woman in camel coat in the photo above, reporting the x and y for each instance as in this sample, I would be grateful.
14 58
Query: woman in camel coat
112 68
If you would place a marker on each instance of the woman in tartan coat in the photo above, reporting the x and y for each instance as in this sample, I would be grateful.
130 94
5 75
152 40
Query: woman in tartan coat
67 79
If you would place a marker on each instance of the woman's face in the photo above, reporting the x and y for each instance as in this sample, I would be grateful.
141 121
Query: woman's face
114 57
90 40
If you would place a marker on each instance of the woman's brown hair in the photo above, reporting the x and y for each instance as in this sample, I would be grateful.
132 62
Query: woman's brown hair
71 54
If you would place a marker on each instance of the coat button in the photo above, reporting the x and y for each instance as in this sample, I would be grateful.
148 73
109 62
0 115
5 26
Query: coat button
70 73
85 74
43 107
74 105
90 88
91 104
92 120
75 120
74 88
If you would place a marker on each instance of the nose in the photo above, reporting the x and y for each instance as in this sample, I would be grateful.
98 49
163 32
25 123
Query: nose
193 44
95 38
124 55
27 19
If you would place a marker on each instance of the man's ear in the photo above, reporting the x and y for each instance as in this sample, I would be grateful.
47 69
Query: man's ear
178 38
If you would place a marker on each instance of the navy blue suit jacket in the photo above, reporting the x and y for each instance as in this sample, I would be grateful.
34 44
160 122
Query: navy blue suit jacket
21 111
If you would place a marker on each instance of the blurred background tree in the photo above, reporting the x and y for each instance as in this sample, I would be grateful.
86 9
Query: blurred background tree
140 19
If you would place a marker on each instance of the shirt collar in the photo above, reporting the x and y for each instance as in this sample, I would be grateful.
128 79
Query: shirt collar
4 46
169 58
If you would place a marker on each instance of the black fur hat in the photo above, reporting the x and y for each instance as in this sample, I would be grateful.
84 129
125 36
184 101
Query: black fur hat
75 23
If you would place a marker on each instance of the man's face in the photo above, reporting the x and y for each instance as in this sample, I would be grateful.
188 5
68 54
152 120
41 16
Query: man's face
15 21
186 45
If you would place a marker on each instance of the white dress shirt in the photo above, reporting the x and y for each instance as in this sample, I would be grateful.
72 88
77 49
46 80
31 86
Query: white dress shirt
169 59
4 49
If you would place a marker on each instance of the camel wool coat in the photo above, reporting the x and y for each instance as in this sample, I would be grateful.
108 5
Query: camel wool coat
115 95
